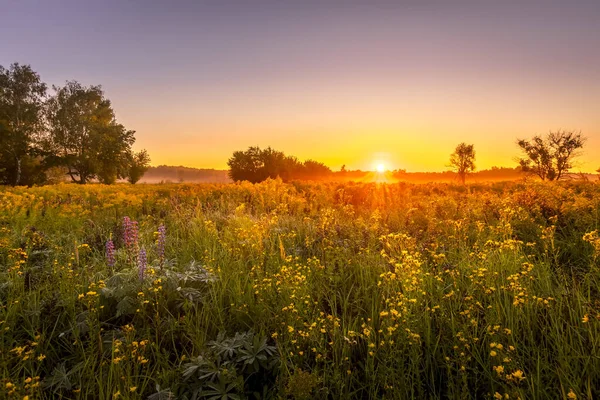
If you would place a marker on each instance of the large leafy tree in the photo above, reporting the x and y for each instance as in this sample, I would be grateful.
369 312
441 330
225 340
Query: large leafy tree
246 165
550 157
256 165
22 95
85 136
463 160
312 169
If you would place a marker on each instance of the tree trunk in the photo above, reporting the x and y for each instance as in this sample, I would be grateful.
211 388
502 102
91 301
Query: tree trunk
18 177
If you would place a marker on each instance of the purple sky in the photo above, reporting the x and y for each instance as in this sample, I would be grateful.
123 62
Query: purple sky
345 82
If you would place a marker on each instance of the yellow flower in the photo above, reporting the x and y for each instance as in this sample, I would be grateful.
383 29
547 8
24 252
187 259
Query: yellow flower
290 329
585 319
518 374
571 394
133 388
497 395
493 353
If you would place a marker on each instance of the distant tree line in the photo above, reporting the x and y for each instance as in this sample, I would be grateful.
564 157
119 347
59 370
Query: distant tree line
71 132
256 165
549 158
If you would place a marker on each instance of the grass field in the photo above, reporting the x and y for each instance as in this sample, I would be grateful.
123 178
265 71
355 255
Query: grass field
300 291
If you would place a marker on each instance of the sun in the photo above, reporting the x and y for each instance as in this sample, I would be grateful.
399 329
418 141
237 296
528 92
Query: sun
380 168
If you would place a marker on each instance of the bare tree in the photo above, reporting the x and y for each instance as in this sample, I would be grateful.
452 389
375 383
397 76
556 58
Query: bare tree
463 160
550 157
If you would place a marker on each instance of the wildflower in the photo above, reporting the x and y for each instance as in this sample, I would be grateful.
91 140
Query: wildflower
110 253
142 263
497 395
571 394
130 232
493 353
133 389
585 319
518 374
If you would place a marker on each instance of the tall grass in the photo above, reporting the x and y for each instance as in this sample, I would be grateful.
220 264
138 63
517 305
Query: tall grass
301 291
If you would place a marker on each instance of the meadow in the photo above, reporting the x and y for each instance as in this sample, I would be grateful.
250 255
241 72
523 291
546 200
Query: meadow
300 291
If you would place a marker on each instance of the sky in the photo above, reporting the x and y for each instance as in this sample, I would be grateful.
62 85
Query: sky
353 83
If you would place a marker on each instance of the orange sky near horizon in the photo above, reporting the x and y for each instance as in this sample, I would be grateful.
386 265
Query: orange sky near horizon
351 82
366 125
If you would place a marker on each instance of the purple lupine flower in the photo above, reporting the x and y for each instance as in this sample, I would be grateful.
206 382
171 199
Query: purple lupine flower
142 263
161 240
130 233
110 253
126 230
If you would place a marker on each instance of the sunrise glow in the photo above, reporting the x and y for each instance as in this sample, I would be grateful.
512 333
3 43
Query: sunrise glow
413 80
342 199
